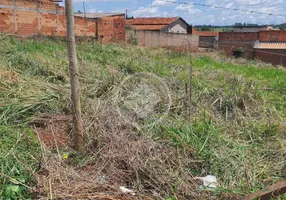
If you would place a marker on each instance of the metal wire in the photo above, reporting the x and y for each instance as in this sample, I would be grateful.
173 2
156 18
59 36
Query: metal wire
221 7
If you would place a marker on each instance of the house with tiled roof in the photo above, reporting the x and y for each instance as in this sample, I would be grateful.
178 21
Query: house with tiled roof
163 24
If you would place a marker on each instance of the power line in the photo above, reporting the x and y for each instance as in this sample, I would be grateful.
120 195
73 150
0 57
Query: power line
221 7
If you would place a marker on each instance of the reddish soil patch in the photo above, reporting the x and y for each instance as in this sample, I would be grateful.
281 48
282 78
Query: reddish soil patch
53 130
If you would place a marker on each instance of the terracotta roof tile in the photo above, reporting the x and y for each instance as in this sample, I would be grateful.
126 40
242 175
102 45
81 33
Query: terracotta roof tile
148 27
271 45
151 21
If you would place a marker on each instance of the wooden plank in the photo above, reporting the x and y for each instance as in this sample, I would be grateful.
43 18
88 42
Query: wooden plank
267 193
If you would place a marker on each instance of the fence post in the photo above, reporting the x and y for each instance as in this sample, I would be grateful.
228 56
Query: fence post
96 30
74 76
57 16
39 17
15 16
144 43
159 41
190 84
190 80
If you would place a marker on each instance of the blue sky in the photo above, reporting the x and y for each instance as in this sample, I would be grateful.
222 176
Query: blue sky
191 13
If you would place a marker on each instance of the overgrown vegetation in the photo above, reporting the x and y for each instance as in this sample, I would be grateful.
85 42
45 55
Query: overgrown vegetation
236 131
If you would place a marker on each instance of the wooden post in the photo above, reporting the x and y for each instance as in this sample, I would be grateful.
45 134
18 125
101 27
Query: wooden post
190 80
74 79
190 84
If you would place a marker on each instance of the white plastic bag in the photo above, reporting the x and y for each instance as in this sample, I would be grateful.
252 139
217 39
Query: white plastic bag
209 181
126 190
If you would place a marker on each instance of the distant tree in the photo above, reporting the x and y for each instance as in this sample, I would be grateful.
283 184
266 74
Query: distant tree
238 24
205 29
250 24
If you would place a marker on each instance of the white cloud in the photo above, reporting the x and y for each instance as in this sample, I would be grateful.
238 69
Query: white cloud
146 12
229 5
187 8
161 3
92 11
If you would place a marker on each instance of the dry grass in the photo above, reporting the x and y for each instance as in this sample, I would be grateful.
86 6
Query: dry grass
117 155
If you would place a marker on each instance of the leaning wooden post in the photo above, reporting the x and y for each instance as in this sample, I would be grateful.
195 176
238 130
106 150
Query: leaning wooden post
190 84
189 88
74 79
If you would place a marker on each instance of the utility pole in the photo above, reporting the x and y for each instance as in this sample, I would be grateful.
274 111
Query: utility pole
74 79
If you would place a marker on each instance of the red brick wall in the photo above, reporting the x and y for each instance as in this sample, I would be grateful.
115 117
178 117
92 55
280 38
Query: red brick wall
119 28
272 36
48 24
33 17
229 47
238 36
111 28
233 41
27 23
62 25
263 55
6 21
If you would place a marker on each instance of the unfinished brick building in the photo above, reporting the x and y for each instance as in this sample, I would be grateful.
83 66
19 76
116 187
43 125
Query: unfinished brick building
109 27
44 17
207 39
268 46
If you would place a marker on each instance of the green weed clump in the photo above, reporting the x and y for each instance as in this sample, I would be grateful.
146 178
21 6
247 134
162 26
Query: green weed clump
19 157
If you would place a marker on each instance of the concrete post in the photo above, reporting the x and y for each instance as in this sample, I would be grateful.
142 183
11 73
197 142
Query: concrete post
15 16
39 17
57 23
159 41
144 43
